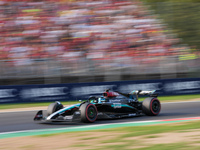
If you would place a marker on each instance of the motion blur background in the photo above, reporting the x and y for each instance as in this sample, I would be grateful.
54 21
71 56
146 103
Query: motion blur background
66 41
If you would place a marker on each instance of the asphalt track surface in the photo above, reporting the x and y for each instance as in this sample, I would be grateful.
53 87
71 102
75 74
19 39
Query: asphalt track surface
19 121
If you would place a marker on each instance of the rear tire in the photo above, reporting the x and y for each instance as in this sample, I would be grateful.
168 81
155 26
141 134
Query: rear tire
88 112
53 107
151 106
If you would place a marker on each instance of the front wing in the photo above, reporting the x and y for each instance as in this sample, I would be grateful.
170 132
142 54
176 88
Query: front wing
68 118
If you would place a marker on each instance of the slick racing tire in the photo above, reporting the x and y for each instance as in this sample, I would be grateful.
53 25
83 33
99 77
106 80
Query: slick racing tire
88 112
151 106
53 107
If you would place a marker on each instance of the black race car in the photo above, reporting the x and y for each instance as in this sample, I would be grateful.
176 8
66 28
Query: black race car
109 105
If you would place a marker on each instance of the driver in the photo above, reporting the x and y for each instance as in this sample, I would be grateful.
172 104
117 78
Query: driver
101 99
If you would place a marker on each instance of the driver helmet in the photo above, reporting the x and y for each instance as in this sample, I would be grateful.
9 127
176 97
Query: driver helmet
101 99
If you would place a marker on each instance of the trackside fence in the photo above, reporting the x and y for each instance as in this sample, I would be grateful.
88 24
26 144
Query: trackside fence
78 91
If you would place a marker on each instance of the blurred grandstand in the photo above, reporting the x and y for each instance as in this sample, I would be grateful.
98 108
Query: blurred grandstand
87 41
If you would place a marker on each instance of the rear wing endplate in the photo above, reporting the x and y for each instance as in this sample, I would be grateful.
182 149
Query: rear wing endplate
140 92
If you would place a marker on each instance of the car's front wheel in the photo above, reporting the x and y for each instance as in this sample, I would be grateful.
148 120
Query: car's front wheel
88 112
53 107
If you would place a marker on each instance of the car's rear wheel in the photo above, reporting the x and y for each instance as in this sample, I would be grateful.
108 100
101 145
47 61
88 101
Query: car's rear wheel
53 107
151 106
88 112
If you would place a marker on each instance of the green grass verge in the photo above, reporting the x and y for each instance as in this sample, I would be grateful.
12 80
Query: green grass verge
155 129
128 138
161 98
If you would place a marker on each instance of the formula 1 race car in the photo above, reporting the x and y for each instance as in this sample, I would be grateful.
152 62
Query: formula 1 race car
109 105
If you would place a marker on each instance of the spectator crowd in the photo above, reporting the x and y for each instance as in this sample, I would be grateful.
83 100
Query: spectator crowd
82 34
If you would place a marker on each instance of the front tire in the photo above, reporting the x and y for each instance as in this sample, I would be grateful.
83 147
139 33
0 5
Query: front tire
88 112
151 106
53 107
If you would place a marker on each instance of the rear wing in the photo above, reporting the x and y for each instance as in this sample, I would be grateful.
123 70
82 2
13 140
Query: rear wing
139 92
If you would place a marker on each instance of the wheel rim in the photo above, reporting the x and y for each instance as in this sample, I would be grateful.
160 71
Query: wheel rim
91 113
155 106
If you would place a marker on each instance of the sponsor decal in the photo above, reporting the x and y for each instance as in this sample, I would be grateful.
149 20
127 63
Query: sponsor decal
132 114
141 86
117 105
184 85
68 117
42 92
7 93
